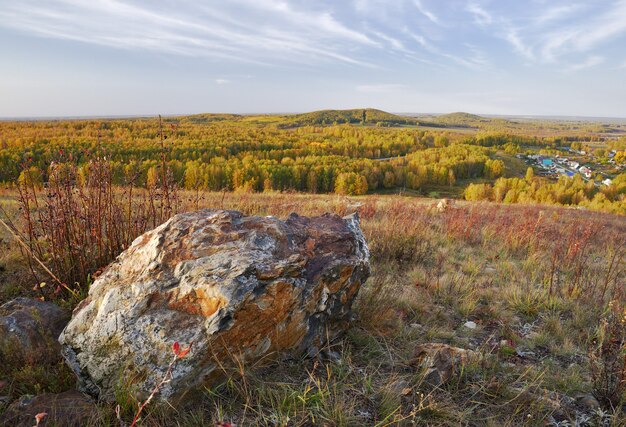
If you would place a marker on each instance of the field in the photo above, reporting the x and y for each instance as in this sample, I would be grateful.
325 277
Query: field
542 284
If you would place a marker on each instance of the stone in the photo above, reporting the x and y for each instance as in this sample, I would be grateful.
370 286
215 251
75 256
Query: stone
470 325
443 205
68 409
29 329
244 290
400 387
441 361
587 402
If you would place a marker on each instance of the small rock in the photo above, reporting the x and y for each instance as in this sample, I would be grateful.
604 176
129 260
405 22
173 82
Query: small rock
524 354
331 356
489 269
587 402
363 413
30 328
443 205
400 387
470 325
440 361
68 409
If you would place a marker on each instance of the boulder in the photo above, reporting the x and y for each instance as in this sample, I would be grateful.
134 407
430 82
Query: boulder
244 290
68 409
441 361
29 330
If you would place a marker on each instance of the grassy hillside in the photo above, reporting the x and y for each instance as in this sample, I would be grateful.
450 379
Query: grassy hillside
369 116
540 306
462 119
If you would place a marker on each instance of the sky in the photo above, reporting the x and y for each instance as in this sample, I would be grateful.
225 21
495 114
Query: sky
146 57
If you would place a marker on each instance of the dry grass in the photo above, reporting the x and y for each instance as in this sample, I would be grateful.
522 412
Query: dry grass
538 278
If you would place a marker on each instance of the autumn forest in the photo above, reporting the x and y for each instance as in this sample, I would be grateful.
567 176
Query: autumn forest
351 152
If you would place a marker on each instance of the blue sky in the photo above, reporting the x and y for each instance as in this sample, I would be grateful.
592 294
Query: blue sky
118 57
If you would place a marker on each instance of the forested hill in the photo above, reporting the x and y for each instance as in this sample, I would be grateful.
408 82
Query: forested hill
460 119
362 115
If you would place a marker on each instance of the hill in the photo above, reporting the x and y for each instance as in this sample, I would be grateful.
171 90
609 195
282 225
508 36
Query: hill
461 119
368 116
207 118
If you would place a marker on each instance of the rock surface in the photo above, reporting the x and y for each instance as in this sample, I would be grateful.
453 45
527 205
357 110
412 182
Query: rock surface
441 361
470 325
250 288
68 409
30 328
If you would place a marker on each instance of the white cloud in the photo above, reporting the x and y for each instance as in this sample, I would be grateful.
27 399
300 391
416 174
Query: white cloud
586 35
364 33
427 13
591 61
475 61
288 34
518 44
557 13
393 42
222 81
481 16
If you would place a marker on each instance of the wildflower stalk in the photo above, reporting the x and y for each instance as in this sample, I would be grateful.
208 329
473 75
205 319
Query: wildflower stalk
178 354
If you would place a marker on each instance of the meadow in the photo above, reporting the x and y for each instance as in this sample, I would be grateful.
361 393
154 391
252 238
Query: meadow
543 285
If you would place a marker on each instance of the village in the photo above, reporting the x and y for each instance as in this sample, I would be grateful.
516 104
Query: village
558 165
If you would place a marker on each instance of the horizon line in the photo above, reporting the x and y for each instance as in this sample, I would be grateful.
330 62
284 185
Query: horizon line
558 117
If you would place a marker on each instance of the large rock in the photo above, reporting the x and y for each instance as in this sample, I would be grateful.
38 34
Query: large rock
29 330
245 288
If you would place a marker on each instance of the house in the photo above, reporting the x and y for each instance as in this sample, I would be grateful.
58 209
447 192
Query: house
585 171
546 162
574 165
607 182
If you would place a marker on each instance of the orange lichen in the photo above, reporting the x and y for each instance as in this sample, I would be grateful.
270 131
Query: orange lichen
197 302
277 320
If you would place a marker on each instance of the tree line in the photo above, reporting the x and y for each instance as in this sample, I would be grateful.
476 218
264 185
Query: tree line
566 191
233 155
